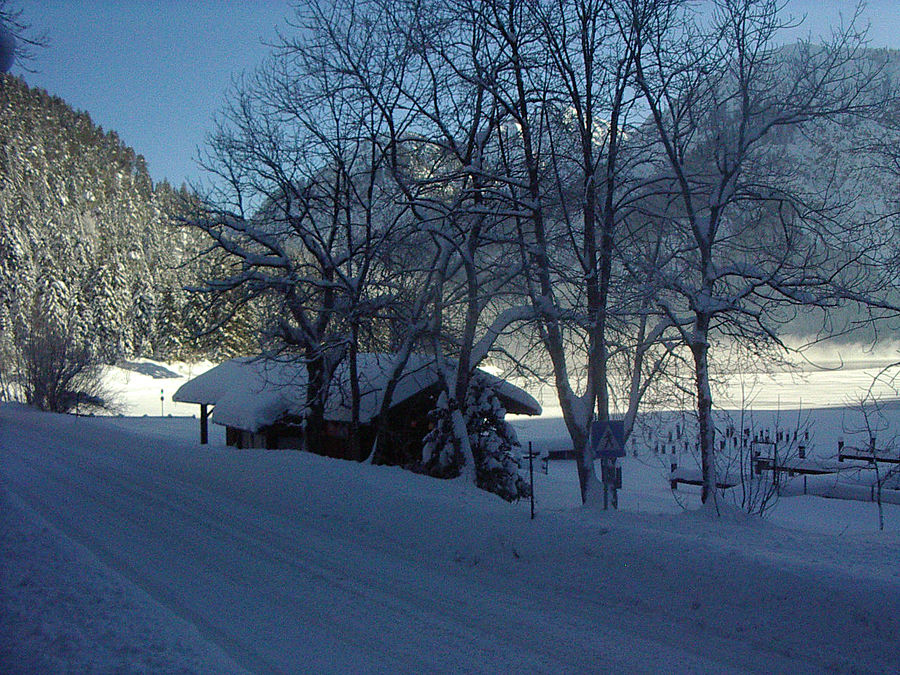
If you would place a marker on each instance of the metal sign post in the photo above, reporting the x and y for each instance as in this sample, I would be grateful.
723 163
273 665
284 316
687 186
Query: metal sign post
607 441
531 476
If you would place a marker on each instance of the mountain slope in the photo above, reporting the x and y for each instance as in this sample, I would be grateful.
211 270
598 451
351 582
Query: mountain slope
86 241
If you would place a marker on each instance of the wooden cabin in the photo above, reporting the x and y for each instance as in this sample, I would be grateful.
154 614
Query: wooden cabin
261 403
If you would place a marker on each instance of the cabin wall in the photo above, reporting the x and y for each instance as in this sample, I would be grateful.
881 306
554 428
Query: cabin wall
408 424
270 438
335 441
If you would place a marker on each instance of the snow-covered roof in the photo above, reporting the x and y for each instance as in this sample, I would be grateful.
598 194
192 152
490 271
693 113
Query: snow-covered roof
251 393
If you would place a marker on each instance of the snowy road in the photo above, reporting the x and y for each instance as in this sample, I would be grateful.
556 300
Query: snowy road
288 562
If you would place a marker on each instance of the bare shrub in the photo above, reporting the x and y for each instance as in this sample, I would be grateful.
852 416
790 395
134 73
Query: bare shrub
56 372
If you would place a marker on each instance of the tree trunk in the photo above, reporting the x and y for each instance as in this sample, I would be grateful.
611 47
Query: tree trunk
587 477
315 403
700 350
353 371
577 414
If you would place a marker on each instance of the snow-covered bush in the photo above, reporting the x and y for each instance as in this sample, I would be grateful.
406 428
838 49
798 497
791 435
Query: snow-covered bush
494 445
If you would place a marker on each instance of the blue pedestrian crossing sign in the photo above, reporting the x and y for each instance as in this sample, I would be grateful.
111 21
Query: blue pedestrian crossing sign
607 439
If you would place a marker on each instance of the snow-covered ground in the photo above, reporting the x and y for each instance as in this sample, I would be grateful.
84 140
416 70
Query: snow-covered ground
127 546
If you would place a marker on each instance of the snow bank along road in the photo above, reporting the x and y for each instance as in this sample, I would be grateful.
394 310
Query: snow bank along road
289 562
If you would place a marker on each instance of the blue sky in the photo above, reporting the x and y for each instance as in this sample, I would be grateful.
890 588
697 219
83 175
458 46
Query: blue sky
157 71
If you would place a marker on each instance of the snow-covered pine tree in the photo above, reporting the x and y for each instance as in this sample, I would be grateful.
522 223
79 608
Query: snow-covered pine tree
142 318
494 444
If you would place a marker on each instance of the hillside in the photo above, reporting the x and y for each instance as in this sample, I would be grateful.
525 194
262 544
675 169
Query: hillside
87 241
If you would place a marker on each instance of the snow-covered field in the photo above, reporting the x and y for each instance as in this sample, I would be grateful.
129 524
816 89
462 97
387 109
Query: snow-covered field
127 546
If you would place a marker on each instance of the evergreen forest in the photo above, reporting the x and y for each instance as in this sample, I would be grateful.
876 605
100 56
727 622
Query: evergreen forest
89 249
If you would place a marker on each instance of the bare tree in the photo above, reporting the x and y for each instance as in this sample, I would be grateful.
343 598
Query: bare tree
476 166
298 206
453 200
872 414
750 229
558 77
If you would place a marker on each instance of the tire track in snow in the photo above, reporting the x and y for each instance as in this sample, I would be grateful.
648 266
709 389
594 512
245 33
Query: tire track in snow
334 576
435 611
393 594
